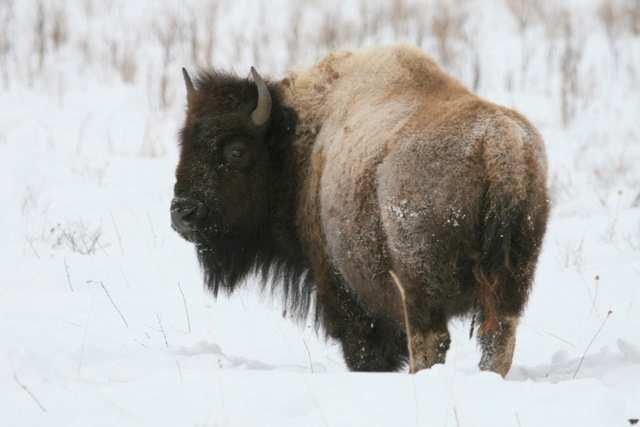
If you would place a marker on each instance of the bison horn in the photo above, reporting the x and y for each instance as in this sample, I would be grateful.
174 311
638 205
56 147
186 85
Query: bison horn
261 114
191 91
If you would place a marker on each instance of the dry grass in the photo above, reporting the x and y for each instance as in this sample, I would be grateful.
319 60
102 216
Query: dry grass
574 256
77 237
613 171
407 323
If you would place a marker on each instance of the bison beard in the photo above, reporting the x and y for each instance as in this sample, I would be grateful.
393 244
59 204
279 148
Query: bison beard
228 262
366 163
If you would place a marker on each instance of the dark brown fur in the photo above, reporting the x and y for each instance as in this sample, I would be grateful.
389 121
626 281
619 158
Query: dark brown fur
373 161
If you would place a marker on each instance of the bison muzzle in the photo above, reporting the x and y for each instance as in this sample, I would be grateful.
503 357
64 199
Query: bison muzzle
368 162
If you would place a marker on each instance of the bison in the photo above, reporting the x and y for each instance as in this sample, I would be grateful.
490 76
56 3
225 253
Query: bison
367 163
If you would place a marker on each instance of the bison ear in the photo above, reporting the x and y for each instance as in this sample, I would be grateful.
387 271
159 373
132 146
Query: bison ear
191 90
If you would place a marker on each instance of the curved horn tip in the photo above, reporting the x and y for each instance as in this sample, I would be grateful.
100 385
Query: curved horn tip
188 83
262 113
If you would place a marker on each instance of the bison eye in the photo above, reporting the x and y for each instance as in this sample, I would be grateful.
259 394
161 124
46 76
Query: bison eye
236 153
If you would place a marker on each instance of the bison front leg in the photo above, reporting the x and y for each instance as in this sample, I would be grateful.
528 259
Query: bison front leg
498 345
368 343
373 345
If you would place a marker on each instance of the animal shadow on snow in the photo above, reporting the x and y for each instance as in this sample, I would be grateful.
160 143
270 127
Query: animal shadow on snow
563 368
228 361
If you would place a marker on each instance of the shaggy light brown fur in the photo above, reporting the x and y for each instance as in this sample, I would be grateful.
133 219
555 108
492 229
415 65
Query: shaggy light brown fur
401 168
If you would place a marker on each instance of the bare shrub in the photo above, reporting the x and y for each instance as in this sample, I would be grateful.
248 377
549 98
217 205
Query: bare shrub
421 26
167 33
194 37
632 12
618 17
50 31
77 237
364 14
551 19
86 52
238 42
39 35
571 56
476 67
201 33
292 38
525 13
262 39
400 17
371 21
329 36
562 187
124 60
611 17
128 64
447 26
6 38
611 230
59 31
209 44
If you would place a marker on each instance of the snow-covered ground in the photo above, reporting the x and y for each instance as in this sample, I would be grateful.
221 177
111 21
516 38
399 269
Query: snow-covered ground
103 316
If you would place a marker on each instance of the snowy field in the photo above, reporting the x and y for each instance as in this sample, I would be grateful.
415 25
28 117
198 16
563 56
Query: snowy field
103 317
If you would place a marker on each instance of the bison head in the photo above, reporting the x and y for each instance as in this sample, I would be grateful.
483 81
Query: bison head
231 152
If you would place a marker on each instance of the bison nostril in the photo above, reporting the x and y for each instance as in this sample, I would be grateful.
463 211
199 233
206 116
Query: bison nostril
186 211
189 213
183 213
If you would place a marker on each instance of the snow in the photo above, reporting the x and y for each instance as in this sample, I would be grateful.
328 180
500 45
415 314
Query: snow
94 329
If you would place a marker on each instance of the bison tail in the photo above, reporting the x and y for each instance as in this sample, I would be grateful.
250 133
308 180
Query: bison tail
491 269
500 223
